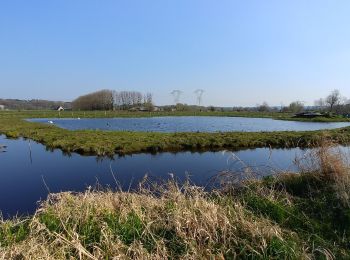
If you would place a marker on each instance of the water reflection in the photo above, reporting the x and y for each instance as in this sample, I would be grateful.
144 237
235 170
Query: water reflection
28 171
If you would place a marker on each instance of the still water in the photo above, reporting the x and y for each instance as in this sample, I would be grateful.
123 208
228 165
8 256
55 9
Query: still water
28 171
190 124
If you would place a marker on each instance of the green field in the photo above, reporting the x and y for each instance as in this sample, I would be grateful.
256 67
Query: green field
109 114
13 125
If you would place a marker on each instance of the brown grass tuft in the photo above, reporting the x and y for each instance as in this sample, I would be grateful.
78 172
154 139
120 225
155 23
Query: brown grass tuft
177 222
329 162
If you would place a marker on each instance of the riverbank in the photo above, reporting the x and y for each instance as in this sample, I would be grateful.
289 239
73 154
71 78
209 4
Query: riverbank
110 143
110 114
296 216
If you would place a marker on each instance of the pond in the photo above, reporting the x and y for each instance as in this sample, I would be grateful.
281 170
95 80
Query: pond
189 124
28 171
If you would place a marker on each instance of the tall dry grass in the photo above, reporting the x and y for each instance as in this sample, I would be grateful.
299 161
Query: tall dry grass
177 222
330 163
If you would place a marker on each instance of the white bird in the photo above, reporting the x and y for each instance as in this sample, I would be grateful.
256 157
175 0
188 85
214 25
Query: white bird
50 122
78 118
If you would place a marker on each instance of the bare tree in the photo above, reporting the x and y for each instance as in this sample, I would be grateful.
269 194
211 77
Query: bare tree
148 101
127 99
199 95
333 99
176 95
296 106
264 107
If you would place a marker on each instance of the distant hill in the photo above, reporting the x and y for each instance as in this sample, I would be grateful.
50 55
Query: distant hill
33 104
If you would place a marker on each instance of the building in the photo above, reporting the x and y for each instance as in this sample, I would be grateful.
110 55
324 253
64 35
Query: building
140 109
308 115
2 107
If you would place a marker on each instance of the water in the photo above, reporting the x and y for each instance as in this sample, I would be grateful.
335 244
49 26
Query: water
28 171
190 124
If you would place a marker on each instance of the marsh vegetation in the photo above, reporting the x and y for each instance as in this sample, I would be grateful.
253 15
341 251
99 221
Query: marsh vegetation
13 125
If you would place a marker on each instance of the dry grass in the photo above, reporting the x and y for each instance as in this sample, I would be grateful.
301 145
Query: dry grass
330 164
177 222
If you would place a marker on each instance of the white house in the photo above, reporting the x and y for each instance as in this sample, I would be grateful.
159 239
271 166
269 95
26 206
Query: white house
2 107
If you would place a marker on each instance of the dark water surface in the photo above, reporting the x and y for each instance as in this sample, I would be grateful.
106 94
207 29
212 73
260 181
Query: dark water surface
28 170
190 124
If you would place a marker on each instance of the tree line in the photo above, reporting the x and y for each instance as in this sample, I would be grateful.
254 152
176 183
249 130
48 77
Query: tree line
33 104
110 99
334 103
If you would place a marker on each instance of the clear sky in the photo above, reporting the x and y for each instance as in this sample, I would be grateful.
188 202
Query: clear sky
240 52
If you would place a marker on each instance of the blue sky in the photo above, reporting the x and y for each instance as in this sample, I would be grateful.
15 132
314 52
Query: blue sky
239 52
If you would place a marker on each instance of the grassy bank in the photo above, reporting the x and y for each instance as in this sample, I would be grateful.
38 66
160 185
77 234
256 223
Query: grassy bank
109 114
13 125
300 216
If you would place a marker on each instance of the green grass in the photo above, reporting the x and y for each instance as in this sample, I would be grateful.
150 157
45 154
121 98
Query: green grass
13 232
109 114
13 125
316 214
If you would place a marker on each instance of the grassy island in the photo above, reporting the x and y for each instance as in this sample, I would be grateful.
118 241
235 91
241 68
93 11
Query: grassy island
13 125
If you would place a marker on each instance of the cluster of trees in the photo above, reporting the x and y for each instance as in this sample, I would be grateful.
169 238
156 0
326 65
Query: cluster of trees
334 103
130 99
264 107
34 104
110 99
106 99
99 100
294 107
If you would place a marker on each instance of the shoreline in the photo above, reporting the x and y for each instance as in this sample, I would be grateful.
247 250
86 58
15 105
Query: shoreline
109 143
